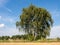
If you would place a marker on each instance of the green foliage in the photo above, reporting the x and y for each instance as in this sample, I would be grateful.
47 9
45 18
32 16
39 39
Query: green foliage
4 38
30 37
35 21
14 37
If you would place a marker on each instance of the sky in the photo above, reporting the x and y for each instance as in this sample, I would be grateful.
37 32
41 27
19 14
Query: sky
10 10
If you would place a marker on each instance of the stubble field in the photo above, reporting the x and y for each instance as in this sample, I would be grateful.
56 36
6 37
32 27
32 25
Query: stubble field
30 43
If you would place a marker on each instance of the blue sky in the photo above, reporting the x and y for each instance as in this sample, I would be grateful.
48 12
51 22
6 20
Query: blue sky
10 10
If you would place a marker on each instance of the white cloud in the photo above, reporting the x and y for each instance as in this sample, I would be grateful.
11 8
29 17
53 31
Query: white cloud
7 19
55 32
2 25
10 20
9 31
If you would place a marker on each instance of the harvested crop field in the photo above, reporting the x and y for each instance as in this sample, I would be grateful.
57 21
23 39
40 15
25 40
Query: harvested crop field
30 43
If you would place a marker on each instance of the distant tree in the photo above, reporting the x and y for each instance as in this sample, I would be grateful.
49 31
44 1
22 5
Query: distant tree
5 37
58 38
0 38
15 37
35 21
24 37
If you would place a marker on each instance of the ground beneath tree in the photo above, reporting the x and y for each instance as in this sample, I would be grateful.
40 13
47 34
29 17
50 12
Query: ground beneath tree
30 43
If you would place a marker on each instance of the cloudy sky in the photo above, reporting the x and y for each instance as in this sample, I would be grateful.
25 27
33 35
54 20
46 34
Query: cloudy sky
11 9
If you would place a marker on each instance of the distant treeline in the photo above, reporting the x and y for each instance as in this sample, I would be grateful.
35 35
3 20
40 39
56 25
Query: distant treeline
21 37
14 37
